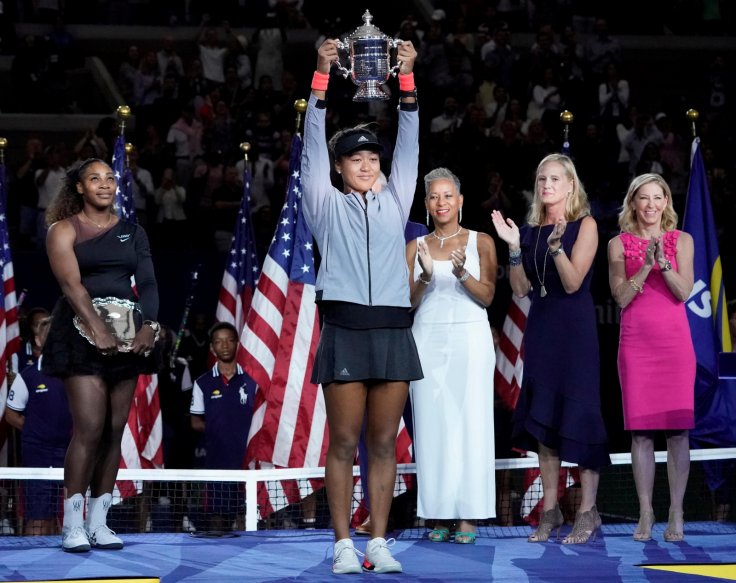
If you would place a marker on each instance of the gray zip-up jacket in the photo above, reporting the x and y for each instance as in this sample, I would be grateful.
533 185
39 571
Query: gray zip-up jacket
361 240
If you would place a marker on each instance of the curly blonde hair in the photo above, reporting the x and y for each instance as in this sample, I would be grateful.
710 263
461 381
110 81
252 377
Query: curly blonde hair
627 216
576 205
68 201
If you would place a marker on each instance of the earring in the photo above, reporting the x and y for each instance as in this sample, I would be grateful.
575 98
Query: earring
428 217
460 220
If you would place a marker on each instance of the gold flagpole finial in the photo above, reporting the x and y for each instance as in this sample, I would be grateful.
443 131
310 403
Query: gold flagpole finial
300 105
245 148
693 115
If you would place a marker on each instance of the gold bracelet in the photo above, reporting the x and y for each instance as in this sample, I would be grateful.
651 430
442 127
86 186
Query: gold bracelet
637 287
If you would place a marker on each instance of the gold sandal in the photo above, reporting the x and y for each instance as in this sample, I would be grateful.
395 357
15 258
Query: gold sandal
643 530
672 535
586 525
549 520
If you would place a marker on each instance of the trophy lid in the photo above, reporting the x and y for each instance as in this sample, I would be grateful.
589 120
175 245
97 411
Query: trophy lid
367 31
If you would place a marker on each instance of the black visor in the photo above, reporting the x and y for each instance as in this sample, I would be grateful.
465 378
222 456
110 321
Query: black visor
357 141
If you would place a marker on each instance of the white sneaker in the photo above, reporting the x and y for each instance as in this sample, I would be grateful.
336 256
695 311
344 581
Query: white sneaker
378 557
345 558
104 538
187 526
75 540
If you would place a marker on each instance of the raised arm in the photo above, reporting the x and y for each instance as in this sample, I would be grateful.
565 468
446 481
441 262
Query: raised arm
315 161
405 163
419 286
509 232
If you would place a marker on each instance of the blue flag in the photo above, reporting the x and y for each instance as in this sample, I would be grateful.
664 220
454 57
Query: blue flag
124 205
706 311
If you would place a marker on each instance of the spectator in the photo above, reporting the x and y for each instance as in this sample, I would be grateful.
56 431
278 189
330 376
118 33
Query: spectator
38 408
169 61
602 50
449 119
212 54
185 139
226 204
49 181
171 219
142 186
24 190
127 74
268 41
613 97
238 57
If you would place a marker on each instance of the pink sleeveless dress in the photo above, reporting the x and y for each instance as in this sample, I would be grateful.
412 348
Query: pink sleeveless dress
656 358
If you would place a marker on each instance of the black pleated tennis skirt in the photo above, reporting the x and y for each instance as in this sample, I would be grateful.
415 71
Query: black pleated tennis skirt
373 354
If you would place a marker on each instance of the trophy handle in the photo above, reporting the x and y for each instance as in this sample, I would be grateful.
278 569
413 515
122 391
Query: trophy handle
395 43
340 69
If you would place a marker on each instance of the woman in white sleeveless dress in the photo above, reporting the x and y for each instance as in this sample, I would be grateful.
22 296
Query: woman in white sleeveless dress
452 281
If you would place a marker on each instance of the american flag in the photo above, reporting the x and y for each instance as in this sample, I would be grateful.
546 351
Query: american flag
142 445
242 271
509 357
9 331
277 350
124 204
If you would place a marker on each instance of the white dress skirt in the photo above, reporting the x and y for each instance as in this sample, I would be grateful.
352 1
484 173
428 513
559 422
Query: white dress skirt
453 403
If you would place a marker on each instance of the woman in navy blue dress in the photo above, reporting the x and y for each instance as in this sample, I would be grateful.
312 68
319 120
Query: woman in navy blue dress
558 414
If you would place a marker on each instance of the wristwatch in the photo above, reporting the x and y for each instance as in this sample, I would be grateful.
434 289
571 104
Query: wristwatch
667 266
155 326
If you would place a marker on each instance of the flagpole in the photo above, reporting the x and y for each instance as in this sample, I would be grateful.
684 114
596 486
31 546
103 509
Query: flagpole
300 105
566 117
245 148
123 113
693 115
3 145
185 316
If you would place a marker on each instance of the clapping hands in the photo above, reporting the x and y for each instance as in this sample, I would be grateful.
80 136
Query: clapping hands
425 260
555 238
506 229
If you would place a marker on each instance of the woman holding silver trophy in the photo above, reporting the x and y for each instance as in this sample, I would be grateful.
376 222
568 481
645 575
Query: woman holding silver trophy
366 354
101 337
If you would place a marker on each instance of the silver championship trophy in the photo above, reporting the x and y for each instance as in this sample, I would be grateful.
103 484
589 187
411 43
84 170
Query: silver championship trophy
369 52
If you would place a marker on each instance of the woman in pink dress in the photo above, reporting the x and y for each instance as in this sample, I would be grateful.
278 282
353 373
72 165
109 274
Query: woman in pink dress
651 277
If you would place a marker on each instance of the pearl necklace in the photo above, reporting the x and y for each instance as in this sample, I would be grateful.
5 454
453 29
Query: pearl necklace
109 220
443 239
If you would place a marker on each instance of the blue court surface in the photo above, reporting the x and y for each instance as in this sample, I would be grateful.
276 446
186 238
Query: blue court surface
500 554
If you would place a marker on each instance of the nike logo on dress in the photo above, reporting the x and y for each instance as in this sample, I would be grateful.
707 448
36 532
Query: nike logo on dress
124 238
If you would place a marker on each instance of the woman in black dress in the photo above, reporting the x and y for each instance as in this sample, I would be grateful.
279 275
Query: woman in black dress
94 255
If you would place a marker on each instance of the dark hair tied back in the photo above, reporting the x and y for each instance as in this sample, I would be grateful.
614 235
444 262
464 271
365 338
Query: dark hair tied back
74 174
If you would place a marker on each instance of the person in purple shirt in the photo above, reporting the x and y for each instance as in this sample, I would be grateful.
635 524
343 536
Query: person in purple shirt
222 408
